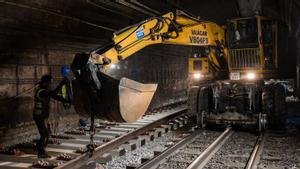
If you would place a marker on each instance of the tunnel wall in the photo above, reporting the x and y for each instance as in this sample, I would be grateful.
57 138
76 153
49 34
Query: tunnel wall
296 34
165 65
34 43
19 74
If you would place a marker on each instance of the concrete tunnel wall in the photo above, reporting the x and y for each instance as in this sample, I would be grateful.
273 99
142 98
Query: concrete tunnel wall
33 43
296 39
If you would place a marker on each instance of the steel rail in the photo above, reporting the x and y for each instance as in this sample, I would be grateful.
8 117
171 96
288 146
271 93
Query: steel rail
254 157
84 159
204 157
158 159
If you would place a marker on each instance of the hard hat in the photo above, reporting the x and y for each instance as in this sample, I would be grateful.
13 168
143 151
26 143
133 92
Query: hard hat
65 71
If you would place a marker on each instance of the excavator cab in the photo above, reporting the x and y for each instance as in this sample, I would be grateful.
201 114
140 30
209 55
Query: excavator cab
198 64
252 48
198 67
246 99
207 63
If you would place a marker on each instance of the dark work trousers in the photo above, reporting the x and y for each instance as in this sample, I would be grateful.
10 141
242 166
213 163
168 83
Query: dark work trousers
44 133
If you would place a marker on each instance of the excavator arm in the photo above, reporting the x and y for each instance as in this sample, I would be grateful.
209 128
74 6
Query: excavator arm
134 38
176 29
127 100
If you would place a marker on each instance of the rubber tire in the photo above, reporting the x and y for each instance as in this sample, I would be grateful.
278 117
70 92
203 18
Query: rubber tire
278 113
193 97
205 99
258 101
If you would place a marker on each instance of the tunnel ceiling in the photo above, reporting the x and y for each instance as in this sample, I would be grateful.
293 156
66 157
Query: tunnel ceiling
93 21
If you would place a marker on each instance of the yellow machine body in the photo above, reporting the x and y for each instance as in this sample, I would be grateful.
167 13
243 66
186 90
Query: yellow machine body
252 47
224 63
107 97
255 51
198 65
189 31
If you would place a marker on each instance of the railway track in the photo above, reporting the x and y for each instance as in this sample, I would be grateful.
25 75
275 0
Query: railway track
281 150
240 151
178 149
69 150
210 149
199 144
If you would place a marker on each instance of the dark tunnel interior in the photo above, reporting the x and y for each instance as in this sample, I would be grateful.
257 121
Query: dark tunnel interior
38 37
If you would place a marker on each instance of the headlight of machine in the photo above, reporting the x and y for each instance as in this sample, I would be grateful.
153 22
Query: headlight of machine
250 76
197 75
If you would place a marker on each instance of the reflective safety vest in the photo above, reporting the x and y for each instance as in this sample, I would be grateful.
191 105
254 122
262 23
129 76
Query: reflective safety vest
41 104
67 93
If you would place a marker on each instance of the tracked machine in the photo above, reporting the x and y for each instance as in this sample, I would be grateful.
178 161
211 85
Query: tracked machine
229 71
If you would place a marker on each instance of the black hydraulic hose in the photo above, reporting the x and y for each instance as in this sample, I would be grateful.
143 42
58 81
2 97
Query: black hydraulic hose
158 27
102 49
172 23
139 26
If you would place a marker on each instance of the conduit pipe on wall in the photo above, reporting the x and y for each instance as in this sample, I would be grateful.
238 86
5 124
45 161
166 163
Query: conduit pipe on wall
144 6
107 9
132 6
57 14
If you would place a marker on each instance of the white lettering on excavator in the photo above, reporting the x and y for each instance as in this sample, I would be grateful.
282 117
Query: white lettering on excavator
198 40
198 37
197 32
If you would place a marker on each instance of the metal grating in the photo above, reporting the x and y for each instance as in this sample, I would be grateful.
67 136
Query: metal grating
244 58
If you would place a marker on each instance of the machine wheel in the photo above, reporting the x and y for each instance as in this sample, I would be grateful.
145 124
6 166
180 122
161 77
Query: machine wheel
279 115
262 122
200 119
275 106
257 101
193 102
205 104
193 97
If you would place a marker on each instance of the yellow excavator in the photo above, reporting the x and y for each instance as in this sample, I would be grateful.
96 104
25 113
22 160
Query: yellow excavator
228 67
125 99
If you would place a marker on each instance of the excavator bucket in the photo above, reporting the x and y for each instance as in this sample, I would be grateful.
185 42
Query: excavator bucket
121 100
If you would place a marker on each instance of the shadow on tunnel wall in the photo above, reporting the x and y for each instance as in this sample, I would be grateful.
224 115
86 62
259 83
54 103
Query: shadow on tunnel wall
165 65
